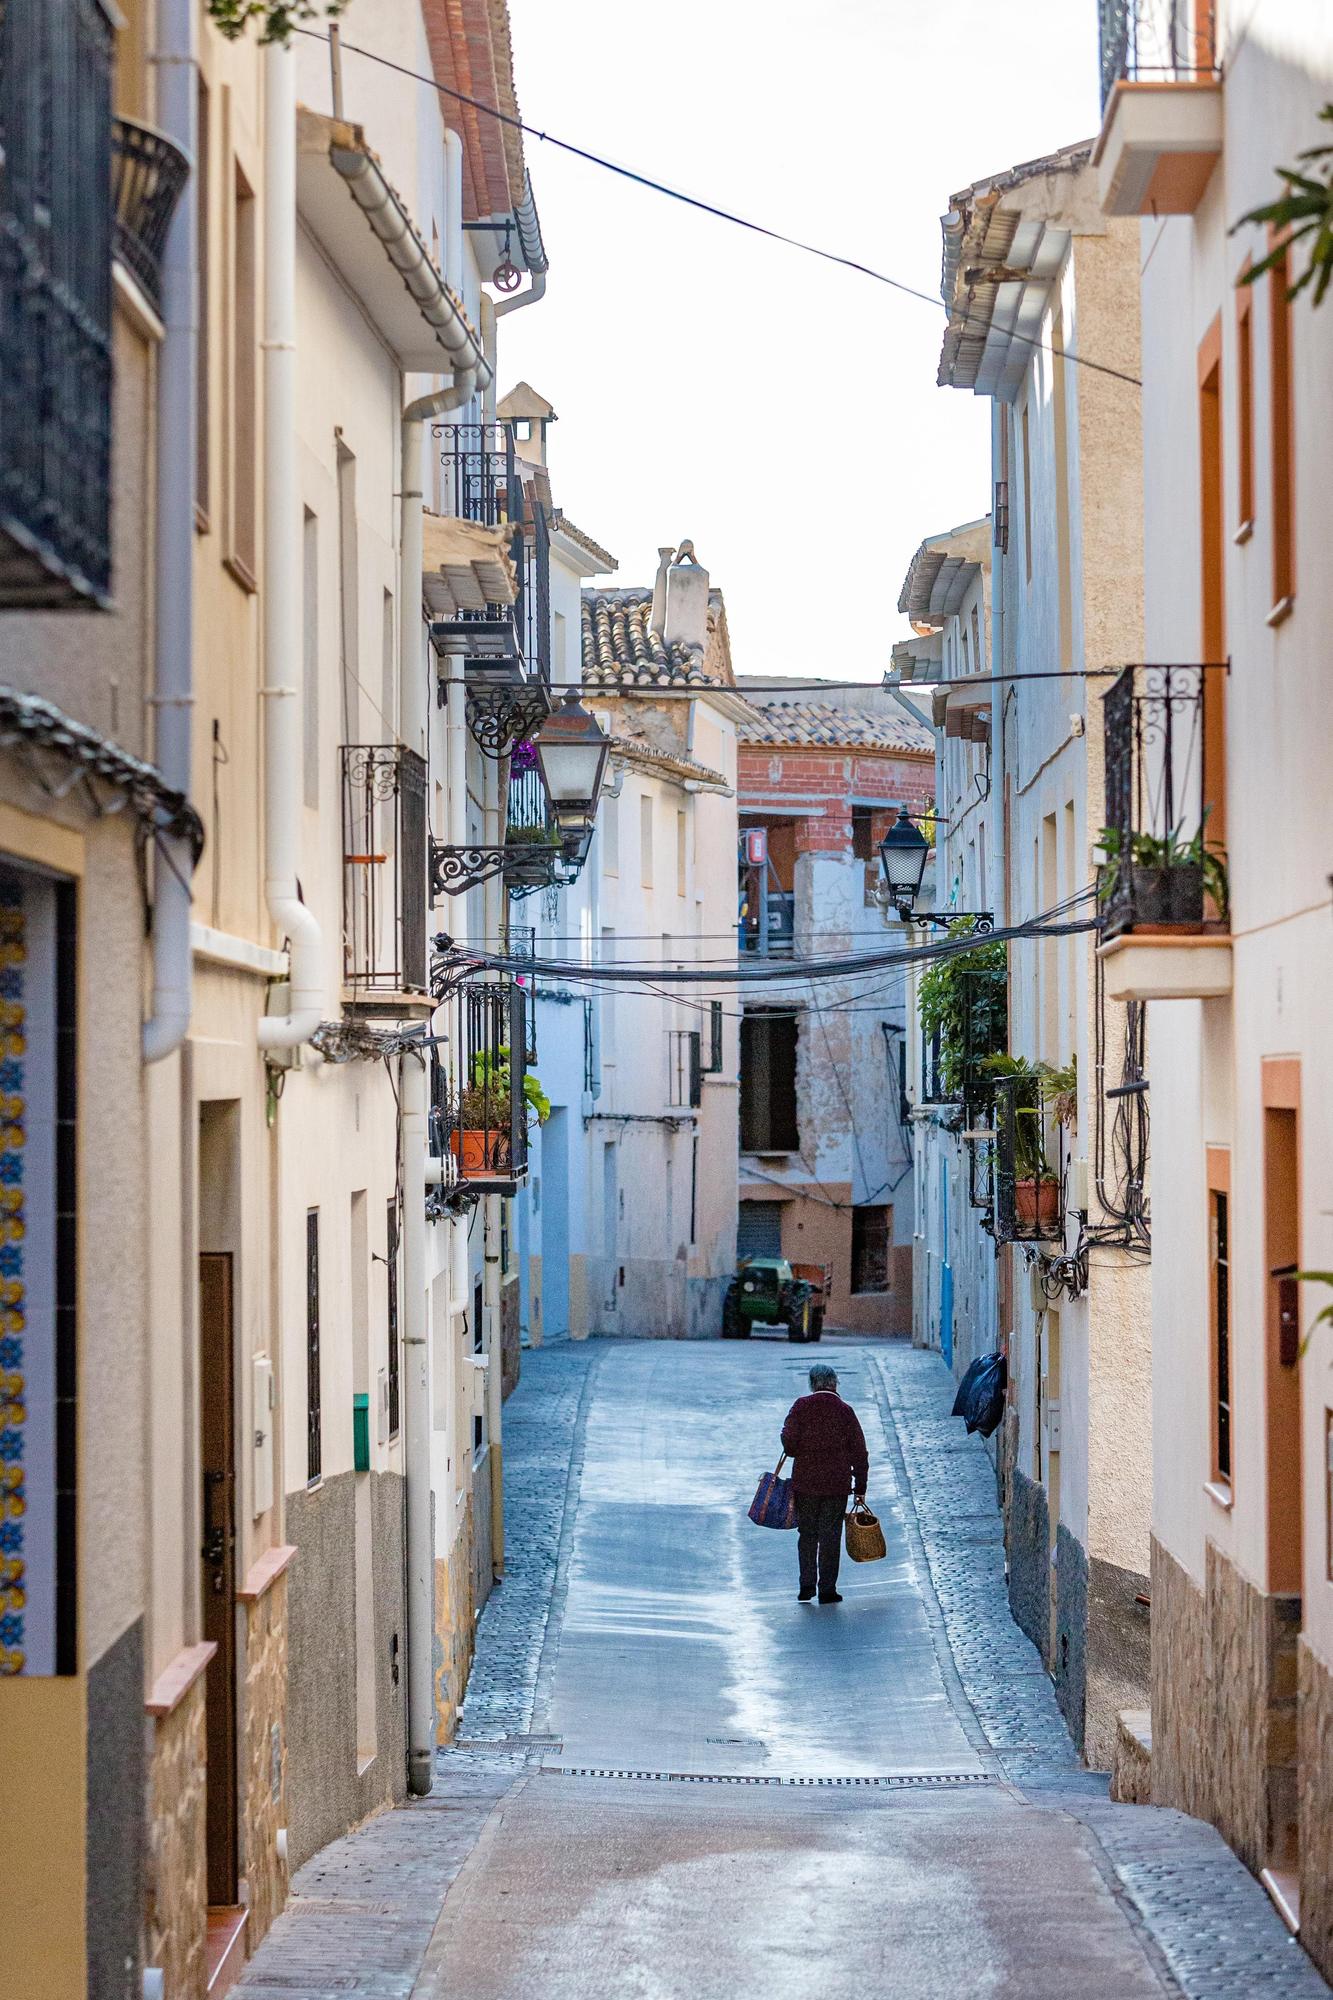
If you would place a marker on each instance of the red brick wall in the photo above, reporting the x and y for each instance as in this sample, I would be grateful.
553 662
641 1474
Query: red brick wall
832 778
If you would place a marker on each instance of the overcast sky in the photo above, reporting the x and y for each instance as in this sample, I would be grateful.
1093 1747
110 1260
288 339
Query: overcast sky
780 412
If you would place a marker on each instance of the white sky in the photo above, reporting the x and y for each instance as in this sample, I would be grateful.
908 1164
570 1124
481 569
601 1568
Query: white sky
780 412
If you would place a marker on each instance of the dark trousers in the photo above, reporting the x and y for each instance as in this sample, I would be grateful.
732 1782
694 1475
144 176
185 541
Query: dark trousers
819 1539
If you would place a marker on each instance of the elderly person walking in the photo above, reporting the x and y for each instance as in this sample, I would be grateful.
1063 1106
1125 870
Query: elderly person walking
824 1438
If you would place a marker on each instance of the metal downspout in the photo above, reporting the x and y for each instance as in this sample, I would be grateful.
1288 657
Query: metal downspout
173 696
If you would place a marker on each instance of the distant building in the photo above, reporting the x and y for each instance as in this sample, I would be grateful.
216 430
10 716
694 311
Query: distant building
628 1223
826 1153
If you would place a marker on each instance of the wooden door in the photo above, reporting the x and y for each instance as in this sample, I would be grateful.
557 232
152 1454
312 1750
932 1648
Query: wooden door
218 1555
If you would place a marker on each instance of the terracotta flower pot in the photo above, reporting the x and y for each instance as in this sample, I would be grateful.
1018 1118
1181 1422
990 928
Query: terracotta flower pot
480 1154
1037 1206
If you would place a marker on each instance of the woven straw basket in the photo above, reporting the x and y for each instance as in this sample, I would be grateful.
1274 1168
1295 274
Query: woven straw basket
865 1537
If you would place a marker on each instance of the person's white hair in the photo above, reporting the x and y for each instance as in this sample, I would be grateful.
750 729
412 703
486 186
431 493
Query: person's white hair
823 1377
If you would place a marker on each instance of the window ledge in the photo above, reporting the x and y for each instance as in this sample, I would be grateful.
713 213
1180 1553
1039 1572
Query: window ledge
237 567
1219 1492
1281 611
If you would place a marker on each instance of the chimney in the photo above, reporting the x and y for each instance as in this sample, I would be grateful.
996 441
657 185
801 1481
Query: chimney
686 621
658 619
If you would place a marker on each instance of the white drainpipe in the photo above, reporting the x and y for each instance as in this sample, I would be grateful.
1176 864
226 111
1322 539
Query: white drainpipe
282 572
173 697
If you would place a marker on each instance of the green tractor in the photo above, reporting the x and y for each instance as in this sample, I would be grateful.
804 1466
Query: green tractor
768 1291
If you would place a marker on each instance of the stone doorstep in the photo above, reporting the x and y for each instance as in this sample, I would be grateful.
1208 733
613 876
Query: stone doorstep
225 1951
1284 1888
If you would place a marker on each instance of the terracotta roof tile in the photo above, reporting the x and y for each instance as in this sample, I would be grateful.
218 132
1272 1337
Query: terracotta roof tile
620 646
820 724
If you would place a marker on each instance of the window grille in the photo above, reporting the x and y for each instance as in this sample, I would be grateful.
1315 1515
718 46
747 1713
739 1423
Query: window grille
685 1068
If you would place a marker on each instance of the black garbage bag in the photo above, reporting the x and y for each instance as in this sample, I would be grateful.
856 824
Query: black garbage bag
980 1398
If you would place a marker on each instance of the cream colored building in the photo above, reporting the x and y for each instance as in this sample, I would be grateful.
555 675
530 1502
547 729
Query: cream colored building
1034 273
286 1290
80 803
1200 109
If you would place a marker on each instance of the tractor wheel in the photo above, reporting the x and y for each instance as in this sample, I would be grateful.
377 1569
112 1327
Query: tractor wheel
798 1326
817 1323
731 1318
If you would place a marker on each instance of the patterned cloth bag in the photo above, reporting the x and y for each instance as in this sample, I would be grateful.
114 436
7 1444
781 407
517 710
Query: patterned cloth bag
774 1503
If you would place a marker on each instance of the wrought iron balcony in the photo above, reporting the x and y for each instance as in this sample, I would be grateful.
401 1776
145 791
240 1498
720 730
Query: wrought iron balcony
384 872
483 482
55 304
147 175
536 854
479 1108
1027 1167
1155 41
1161 873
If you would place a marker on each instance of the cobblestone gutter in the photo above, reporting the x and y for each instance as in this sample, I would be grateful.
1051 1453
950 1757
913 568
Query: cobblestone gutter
1212 1924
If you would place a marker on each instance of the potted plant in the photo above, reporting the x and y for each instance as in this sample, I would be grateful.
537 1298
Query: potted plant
1036 1188
482 1139
1165 878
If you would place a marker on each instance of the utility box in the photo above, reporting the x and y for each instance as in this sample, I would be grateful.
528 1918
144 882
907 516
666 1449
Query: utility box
361 1431
261 1380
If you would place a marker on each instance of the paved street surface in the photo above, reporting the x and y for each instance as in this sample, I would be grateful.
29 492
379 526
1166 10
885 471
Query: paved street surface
674 1782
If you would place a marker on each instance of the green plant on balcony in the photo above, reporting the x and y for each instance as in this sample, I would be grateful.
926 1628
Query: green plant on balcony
1170 875
538 834
1030 1161
965 1000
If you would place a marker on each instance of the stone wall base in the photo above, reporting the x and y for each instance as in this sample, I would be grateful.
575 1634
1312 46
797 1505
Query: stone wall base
263 1802
1224 1707
1117 1651
1027 1539
176 1912
1131 1762
1316 1808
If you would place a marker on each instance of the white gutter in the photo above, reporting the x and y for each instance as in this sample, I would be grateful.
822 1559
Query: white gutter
438 305
413 729
282 570
173 696
536 290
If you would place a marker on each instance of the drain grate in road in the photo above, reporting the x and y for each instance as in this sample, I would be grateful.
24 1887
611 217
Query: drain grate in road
891 1781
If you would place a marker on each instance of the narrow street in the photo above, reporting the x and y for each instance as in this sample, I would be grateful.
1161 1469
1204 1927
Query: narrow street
673 1780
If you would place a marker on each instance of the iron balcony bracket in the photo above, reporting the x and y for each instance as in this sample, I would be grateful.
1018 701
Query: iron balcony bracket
502 713
455 870
982 921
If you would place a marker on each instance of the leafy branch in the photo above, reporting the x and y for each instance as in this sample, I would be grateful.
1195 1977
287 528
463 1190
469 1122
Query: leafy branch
277 18
1305 210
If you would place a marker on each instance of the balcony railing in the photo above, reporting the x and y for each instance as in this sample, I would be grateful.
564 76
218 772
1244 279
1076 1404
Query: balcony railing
479 1113
55 304
1161 872
1155 41
384 870
483 481
147 175
1028 1174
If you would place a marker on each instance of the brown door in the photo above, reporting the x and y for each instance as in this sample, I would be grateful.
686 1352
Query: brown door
216 1387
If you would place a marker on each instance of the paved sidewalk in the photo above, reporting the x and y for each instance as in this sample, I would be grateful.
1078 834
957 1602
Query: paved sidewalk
545 1860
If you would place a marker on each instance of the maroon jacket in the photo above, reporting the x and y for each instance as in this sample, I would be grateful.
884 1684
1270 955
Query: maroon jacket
824 1437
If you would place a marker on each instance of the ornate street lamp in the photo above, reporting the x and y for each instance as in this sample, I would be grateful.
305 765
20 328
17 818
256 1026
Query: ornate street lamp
903 854
572 750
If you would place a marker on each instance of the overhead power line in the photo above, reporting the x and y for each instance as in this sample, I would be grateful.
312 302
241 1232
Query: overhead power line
1057 922
712 208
